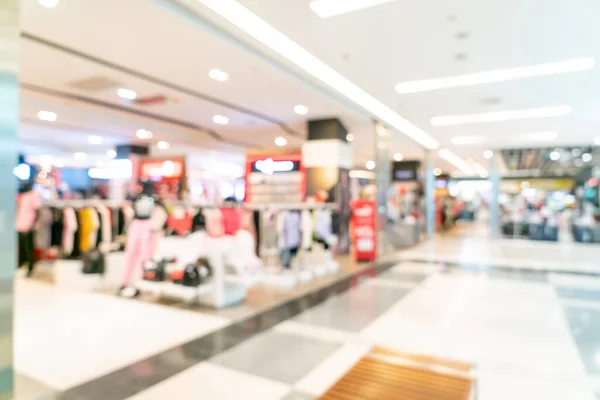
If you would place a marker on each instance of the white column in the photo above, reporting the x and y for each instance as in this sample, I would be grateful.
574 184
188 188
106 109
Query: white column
429 195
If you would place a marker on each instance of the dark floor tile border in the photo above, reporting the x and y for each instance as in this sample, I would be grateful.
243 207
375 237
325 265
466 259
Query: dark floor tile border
487 267
141 375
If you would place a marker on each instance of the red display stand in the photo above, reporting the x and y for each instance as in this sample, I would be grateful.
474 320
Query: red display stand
364 234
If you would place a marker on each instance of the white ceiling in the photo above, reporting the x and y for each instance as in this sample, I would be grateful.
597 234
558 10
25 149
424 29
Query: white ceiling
142 47
406 40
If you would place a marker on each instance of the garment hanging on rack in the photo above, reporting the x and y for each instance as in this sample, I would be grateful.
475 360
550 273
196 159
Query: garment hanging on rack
179 221
57 227
42 229
70 227
199 221
231 220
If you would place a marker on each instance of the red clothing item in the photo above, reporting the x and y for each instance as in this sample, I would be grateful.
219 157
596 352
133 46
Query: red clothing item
182 226
232 220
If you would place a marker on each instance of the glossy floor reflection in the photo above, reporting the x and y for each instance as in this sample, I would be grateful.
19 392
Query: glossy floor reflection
527 343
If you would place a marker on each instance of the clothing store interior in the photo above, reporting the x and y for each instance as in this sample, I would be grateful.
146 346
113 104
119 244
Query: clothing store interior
258 192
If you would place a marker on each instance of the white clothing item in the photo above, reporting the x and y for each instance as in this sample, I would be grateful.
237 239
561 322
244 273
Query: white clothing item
323 224
70 226
280 227
106 224
307 229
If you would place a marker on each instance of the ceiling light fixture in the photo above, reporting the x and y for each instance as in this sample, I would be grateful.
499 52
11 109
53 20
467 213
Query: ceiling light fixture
48 116
370 165
300 109
220 119
143 134
162 145
111 153
126 94
331 8
488 154
497 75
437 171
49 3
398 157
94 139
280 141
349 137
499 116
456 161
218 75
250 23
463 140
555 155
586 157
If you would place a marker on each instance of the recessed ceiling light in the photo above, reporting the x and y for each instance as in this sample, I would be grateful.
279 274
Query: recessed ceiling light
597 141
280 141
126 94
79 156
349 137
218 75
437 171
331 8
497 75
300 109
162 145
498 116
248 22
488 154
48 116
220 119
462 140
586 157
555 155
49 3
455 160
398 157
370 165
143 134
111 153
94 139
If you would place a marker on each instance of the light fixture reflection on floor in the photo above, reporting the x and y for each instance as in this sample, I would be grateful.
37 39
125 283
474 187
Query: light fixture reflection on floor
331 8
499 116
497 75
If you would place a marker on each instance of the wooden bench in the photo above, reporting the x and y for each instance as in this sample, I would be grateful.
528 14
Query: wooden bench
385 374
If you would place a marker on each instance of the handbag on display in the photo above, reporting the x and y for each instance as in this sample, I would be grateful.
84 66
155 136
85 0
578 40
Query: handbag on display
155 271
193 274
93 262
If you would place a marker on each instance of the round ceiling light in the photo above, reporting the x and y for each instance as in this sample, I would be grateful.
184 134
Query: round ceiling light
488 154
111 153
48 116
586 157
437 171
162 145
220 119
555 155
300 109
349 137
398 157
370 165
126 94
49 3
218 75
143 134
280 141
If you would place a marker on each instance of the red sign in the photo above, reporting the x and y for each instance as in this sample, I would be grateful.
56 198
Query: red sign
161 169
365 231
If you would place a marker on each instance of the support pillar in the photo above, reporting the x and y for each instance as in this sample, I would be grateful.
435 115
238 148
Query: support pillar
9 121
327 159
429 195
494 213
383 179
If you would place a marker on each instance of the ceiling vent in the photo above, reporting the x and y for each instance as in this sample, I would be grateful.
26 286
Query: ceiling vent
94 84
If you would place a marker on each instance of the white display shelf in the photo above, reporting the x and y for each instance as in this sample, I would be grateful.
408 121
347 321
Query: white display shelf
170 289
282 280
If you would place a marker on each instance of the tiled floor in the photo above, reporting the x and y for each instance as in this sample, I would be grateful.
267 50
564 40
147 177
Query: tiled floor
532 334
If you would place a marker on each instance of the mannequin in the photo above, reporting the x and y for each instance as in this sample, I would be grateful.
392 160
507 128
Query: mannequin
140 235
28 204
